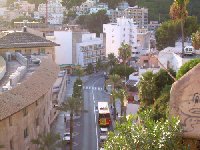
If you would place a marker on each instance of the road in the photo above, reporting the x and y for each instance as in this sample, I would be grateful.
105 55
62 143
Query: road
93 92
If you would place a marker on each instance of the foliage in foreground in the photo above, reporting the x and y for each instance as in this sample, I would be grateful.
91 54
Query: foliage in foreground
186 67
146 135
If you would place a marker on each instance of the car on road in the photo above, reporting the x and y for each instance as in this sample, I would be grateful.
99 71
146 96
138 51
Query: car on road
103 135
66 137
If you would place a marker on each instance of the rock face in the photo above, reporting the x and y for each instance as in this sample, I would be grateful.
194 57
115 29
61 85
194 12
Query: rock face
185 102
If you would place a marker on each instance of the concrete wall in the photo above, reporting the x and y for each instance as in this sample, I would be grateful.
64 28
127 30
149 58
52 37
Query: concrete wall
64 51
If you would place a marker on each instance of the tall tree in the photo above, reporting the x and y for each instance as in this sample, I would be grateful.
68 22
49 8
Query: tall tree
122 95
113 101
90 68
125 52
178 11
112 60
73 106
147 88
115 80
196 40
99 65
47 141
79 72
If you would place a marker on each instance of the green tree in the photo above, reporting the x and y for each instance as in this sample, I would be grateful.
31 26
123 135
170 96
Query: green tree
166 35
47 141
73 106
178 11
112 60
122 71
122 95
147 88
115 80
94 22
77 89
79 72
99 65
186 67
70 3
90 68
196 40
124 52
147 134
162 79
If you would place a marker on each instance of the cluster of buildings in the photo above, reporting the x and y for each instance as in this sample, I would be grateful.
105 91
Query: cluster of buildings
31 88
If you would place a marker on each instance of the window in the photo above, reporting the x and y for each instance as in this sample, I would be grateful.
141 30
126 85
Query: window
19 51
11 144
26 133
10 121
25 112
42 50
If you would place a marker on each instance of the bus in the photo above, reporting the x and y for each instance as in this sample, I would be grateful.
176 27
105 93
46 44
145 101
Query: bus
104 114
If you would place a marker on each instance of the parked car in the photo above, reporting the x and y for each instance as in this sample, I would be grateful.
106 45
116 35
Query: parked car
103 135
66 137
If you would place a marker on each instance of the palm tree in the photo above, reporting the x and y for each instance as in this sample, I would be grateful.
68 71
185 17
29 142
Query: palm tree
113 99
178 11
47 141
73 106
115 80
112 60
122 94
79 72
125 52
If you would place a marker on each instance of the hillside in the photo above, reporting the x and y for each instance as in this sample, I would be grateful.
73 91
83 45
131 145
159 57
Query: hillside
160 8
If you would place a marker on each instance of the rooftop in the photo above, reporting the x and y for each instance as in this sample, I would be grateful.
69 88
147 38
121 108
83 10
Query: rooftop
29 90
24 40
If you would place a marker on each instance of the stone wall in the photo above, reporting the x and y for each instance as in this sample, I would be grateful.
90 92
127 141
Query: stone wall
185 103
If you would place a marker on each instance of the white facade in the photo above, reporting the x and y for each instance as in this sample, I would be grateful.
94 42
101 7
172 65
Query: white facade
170 57
63 53
100 6
90 49
124 31
84 8
55 11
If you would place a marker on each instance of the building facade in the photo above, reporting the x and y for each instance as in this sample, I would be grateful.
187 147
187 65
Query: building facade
139 15
124 31
90 50
54 12
26 109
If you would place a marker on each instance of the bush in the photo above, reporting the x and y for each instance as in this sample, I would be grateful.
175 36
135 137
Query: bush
186 67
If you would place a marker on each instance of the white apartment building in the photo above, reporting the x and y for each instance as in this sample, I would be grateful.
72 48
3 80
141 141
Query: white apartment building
139 15
78 48
100 6
90 49
55 12
124 31
123 5
84 8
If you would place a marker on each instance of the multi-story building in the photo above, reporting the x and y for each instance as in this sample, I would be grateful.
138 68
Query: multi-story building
24 6
54 12
153 25
124 31
71 44
139 15
84 8
28 108
123 5
90 49
100 6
